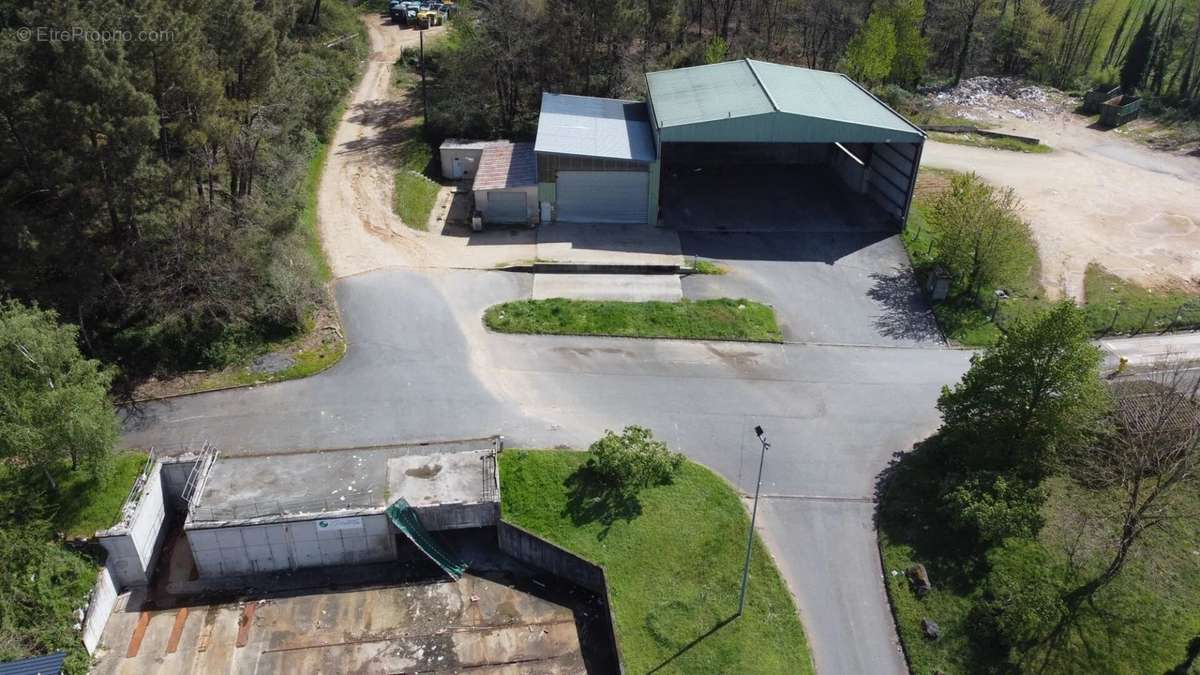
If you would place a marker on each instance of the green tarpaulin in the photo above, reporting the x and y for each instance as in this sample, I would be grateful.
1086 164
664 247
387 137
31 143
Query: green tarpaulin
405 519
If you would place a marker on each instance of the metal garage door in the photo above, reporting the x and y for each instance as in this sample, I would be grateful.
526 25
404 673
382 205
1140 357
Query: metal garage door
506 207
602 196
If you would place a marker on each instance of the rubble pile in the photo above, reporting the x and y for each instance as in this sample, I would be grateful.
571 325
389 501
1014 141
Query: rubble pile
987 97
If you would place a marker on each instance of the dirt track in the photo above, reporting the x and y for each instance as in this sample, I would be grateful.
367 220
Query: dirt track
359 230
1097 197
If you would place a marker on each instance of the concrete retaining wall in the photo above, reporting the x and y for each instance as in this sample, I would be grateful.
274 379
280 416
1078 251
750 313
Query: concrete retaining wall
458 516
133 545
272 547
174 478
533 550
100 606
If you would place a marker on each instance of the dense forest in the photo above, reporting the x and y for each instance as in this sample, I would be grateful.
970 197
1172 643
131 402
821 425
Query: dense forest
492 69
151 157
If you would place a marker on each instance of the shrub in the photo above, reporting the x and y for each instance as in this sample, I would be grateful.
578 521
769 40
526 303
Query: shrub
1022 599
993 507
633 459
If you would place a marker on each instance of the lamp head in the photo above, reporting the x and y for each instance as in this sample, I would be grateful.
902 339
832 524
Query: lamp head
758 431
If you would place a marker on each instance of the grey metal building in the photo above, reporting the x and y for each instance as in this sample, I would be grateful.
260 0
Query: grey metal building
602 160
595 159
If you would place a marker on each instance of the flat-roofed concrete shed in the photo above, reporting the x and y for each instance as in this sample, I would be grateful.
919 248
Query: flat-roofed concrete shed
742 131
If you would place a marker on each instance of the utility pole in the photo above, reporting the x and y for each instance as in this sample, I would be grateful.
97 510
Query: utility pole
424 91
758 431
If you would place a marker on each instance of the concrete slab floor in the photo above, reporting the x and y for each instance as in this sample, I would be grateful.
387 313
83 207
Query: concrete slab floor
478 624
608 244
627 287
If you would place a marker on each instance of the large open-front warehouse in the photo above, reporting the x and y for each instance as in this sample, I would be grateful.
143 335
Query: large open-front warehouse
755 133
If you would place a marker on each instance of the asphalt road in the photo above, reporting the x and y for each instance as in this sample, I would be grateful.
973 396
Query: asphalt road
420 366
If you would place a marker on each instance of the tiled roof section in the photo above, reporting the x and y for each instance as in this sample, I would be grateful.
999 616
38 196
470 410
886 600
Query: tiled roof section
506 165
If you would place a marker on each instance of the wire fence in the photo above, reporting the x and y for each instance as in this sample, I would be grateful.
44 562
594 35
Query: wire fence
1165 316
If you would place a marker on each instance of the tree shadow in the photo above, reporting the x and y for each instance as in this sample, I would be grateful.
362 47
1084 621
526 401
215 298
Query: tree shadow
906 313
716 627
907 494
1193 655
589 500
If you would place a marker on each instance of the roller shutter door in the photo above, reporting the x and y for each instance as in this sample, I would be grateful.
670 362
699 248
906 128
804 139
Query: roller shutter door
602 196
506 207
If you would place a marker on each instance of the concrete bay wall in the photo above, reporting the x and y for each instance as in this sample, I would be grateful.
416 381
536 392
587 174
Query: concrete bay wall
533 550
133 545
100 606
271 547
453 516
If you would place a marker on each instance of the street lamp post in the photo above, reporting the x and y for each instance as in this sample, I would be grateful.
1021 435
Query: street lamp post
758 431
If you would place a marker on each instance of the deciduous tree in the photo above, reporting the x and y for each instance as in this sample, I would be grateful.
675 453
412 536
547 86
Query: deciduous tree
982 241
1032 396
869 55
54 403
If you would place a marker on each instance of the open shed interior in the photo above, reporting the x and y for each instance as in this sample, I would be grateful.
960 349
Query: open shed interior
781 146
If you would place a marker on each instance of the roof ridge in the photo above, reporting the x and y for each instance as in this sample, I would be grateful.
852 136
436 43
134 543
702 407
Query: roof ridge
763 87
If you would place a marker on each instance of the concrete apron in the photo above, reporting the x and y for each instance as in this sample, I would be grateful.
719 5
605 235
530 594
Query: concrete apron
627 287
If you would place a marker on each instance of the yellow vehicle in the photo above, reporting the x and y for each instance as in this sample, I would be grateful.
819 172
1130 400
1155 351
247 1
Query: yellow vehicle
428 17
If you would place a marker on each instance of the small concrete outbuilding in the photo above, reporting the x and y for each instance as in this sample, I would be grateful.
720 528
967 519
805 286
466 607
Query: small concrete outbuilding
505 186
460 157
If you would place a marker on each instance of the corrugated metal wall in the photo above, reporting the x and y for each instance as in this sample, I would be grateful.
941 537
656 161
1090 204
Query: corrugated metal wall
709 154
892 176
549 165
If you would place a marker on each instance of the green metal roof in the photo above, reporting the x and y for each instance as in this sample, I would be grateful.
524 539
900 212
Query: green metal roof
704 96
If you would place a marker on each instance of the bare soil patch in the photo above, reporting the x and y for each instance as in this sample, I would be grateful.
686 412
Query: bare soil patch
1098 198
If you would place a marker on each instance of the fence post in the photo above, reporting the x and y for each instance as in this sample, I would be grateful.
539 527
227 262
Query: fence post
1145 321
1174 319
1112 324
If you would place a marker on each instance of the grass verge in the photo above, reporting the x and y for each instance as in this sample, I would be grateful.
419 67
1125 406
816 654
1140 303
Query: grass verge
723 319
673 557
414 198
306 362
701 266
981 141
1144 622
308 215
1114 305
